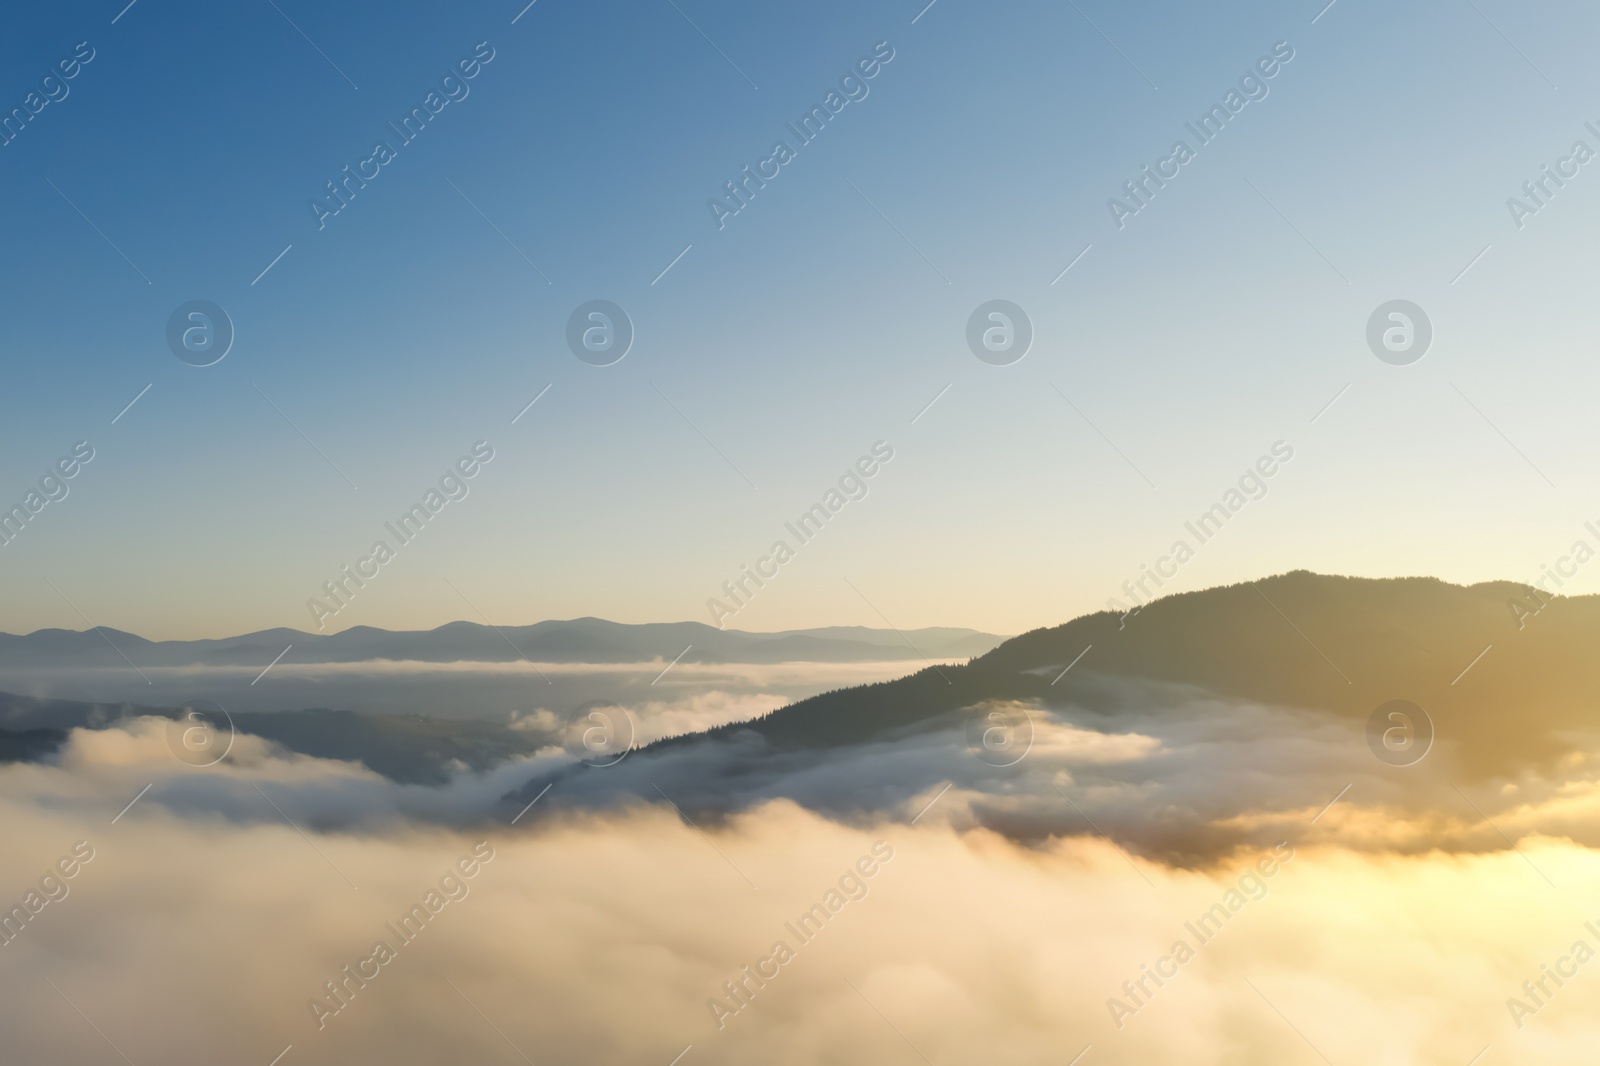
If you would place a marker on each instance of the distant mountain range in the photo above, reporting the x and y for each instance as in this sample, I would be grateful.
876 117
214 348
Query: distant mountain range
582 640
1506 688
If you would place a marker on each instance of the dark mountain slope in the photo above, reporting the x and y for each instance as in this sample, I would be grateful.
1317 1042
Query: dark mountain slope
1333 644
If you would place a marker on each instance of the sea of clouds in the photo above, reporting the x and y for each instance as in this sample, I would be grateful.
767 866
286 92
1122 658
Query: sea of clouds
1019 901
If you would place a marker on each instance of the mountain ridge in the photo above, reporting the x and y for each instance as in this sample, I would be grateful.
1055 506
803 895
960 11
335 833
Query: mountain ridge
585 639
1317 642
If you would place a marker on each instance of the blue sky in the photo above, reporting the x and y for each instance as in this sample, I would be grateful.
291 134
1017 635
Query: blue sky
822 318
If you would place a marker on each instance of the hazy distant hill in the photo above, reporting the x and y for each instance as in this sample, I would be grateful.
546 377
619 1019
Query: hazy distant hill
591 640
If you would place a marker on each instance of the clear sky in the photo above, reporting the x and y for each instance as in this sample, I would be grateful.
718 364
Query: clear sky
823 317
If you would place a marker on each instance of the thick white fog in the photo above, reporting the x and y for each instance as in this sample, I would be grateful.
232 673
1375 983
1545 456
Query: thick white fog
205 925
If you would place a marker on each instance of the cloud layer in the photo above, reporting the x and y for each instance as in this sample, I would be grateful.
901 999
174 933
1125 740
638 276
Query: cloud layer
606 937
1171 883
